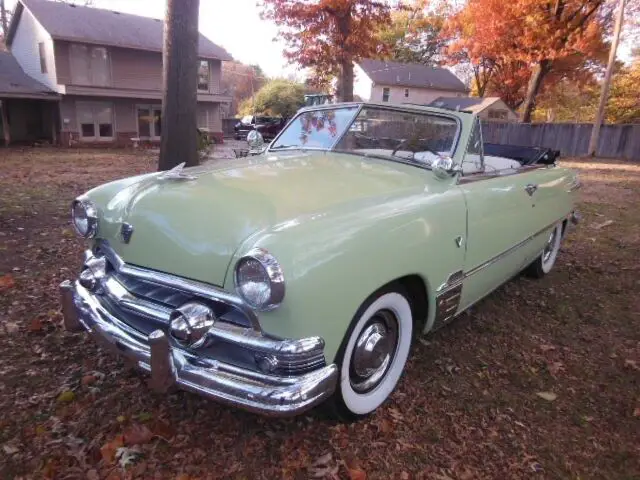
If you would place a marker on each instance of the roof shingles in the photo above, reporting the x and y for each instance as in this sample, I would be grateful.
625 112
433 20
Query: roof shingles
15 83
105 27
384 72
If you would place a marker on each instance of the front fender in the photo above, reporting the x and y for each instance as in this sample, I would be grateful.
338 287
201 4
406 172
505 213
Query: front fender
333 261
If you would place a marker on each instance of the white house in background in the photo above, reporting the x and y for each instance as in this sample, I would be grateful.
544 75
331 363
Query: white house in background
492 109
393 82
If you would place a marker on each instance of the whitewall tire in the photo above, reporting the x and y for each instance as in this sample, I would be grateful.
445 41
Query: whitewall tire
547 259
374 353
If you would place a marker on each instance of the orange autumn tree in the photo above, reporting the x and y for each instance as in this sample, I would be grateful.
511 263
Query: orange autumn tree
542 34
327 36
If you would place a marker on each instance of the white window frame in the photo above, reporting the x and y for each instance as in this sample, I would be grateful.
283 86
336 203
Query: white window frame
96 124
406 93
153 135
387 91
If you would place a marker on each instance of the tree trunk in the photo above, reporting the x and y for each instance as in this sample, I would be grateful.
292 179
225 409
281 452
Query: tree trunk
4 122
3 20
179 138
346 81
535 82
604 93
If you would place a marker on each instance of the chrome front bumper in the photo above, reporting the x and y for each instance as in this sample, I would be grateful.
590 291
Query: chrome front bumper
170 366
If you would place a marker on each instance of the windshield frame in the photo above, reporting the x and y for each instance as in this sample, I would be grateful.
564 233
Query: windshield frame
360 107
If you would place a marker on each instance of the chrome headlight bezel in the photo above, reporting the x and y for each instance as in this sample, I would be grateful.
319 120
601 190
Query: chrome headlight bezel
91 214
274 274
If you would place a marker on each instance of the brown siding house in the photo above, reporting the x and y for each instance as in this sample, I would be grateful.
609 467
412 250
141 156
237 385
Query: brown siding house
107 68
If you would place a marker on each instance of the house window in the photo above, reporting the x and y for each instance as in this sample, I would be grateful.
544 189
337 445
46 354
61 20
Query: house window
498 114
385 94
203 118
90 65
95 121
406 93
43 57
203 75
149 121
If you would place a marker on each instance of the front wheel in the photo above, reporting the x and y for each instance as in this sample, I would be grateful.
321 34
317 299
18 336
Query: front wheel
373 354
547 259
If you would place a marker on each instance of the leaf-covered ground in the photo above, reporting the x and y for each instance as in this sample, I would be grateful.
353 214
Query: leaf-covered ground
540 380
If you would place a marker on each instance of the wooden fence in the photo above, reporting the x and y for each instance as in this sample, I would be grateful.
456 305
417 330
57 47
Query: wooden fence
572 139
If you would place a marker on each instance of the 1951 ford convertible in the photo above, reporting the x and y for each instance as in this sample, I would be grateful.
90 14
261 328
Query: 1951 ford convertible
300 276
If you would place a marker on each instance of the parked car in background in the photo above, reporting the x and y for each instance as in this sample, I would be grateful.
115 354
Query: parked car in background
303 275
268 127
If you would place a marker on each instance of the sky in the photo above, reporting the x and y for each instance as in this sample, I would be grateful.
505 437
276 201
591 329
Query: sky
236 26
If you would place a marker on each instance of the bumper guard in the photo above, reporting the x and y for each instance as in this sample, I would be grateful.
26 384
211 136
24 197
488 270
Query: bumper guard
169 366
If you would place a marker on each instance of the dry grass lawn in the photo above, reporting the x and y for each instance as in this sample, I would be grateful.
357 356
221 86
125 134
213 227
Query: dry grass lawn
467 407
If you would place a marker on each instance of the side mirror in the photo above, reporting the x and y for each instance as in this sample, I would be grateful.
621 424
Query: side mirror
256 142
444 167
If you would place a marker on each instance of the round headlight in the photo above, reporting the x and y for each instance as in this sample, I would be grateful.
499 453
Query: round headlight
259 280
84 216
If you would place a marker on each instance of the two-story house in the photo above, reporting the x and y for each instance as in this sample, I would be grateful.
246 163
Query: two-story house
394 82
107 68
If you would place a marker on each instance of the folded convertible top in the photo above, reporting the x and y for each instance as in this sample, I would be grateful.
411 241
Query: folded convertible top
524 155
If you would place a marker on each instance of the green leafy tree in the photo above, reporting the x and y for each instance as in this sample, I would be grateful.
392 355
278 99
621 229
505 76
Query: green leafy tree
278 97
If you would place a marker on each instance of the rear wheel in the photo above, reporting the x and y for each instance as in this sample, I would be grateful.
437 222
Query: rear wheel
373 354
547 259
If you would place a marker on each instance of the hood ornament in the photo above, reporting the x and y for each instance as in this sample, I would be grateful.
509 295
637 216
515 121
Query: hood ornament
176 174
126 230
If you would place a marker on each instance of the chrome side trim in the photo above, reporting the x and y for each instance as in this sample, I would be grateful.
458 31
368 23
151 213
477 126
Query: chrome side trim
506 172
182 284
574 185
448 299
501 255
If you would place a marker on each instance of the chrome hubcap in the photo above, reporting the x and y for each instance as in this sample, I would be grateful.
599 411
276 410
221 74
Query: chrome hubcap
374 351
548 249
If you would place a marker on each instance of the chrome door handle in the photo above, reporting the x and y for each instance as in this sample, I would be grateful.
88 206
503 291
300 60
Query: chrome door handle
531 189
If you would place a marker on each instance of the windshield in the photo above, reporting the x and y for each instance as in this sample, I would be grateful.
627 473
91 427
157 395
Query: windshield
317 129
406 136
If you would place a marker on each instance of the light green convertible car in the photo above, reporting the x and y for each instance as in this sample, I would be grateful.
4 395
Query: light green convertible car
302 275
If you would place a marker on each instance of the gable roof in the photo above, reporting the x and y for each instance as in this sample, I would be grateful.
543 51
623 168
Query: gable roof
77 23
14 83
471 104
383 72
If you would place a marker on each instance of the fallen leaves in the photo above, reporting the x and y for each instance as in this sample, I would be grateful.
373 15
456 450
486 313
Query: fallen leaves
548 396
109 449
357 474
137 434
483 423
7 282
67 396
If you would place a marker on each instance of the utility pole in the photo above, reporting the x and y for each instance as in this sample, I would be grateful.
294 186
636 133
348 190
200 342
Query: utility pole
179 137
604 93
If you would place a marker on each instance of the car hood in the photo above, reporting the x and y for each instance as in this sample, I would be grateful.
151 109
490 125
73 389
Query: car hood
192 227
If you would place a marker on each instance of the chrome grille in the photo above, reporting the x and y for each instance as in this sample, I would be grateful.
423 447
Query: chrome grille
144 299
157 293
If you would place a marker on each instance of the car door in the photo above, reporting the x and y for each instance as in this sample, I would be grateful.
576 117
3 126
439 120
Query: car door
499 223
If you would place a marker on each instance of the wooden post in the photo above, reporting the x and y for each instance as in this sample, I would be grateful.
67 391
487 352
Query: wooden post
604 93
179 139
4 122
